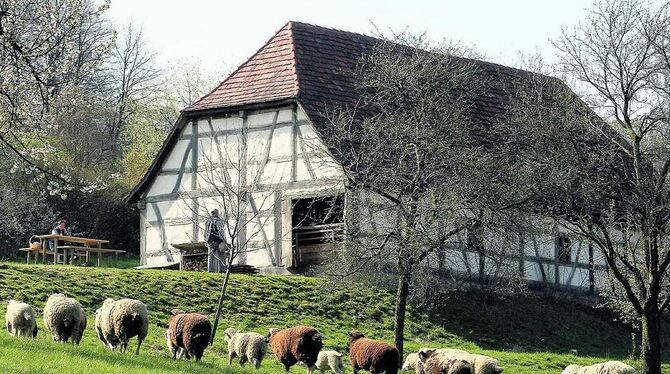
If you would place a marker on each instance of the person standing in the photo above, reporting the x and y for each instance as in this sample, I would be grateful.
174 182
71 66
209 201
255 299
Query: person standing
214 236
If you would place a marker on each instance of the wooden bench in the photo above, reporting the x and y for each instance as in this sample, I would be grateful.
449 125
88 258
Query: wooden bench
86 251
36 252
69 251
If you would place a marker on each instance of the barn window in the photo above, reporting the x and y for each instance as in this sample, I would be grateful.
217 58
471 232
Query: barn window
564 249
318 224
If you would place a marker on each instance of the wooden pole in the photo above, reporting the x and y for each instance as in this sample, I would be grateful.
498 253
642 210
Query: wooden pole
219 306
44 250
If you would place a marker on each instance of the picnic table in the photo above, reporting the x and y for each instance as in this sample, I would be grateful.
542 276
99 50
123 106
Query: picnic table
76 245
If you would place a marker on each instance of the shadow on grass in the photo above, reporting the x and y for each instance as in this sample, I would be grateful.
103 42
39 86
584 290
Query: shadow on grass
532 323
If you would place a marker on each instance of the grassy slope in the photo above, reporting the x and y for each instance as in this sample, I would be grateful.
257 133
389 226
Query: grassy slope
259 302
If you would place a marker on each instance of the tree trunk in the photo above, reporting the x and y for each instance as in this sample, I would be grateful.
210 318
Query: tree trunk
219 306
400 310
651 340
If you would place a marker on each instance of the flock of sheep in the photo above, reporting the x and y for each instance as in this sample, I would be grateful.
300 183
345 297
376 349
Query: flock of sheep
188 335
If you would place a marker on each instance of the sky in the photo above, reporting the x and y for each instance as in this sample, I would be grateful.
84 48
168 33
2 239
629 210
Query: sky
221 35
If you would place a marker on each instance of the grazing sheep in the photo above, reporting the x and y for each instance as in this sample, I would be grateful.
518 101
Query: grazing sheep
374 356
248 346
434 361
411 362
118 321
609 367
329 360
188 334
480 364
64 318
79 333
296 344
20 319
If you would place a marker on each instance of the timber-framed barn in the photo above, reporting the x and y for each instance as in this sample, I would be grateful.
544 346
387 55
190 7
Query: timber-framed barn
270 110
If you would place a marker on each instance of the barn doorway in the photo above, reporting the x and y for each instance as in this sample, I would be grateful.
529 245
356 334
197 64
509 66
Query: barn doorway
318 226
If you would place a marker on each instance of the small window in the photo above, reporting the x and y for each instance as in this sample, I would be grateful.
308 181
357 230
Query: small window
564 249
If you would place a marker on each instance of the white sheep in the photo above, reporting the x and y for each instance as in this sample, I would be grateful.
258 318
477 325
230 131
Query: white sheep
248 346
481 364
328 360
433 361
64 318
20 319
117 321
411 362
609 367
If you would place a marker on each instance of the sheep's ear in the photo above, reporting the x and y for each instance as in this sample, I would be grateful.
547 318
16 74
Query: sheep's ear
425 353
498 370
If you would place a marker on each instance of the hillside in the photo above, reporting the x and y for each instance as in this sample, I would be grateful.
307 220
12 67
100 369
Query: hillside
531 336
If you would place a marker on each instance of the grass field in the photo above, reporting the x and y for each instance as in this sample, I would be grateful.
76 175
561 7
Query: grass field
526 336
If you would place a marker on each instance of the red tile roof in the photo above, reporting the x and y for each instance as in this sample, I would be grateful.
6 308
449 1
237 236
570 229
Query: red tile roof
314 65
301 61
267 76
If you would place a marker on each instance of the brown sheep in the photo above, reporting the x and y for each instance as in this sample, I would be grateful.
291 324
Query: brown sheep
296 344
188 334
374 356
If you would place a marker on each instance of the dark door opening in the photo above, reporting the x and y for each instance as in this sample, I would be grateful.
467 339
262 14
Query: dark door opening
318 225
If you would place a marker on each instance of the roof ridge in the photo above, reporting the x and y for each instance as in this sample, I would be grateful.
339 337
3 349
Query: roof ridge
481 59
335 29
294 59
286 26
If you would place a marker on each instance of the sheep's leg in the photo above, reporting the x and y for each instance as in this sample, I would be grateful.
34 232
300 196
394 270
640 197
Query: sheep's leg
173 351
139 344
256 362
193 354
8 325
243 360
198 354
101 336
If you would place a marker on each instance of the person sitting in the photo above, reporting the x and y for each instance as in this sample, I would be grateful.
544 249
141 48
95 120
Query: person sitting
59 229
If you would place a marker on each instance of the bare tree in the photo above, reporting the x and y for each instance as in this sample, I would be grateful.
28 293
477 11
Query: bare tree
135 78
607 181
185 81
241 192
416 174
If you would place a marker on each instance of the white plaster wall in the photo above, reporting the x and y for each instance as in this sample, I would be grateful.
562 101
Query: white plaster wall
176 156
226 149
